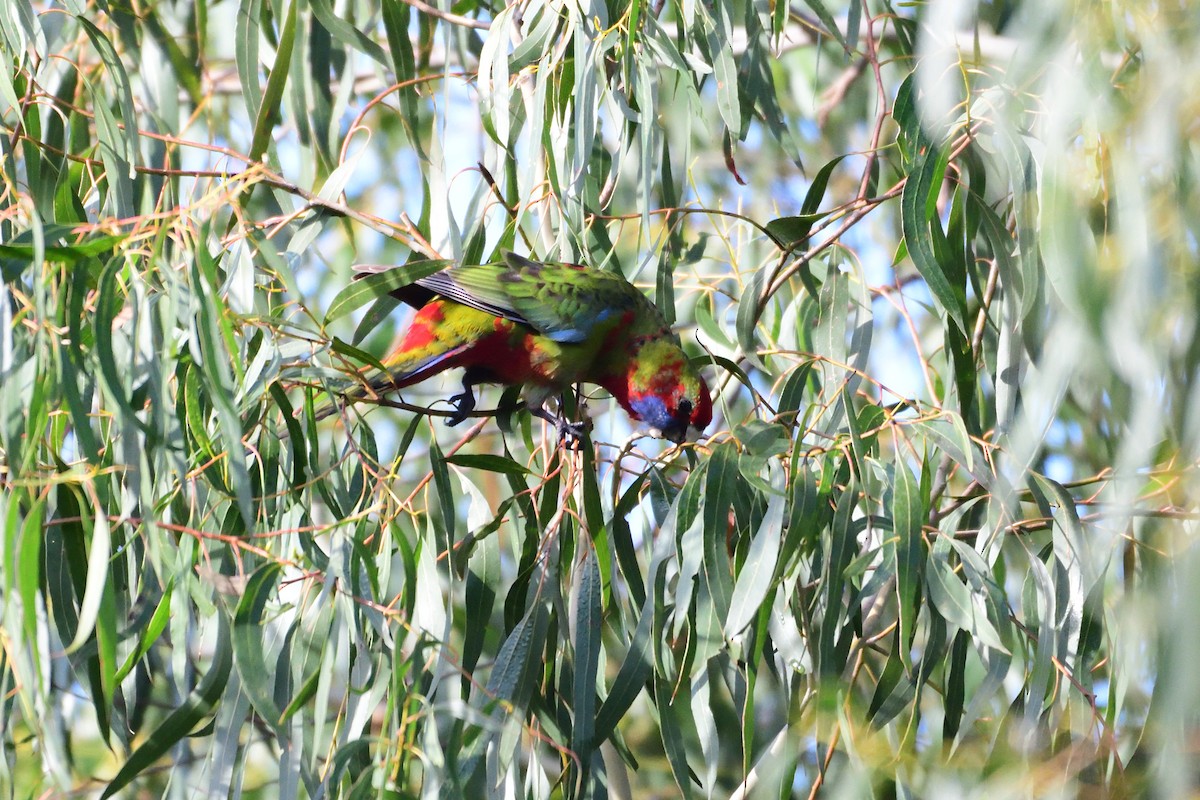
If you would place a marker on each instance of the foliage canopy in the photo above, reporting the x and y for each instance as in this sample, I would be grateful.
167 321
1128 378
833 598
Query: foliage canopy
939 261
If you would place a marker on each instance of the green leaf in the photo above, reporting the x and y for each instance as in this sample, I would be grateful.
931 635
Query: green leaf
218 363
356 354
721 486
268 109
124 100
347 34
482 580
841 542
631 679
917 216
108 305
953 599
396 16
955 686
92 601
28 567
895 689
671 724
247 33
791 233
748 315
908 518
588 622
249 647
830 24
489 463
755 581
377 284
724 69
67 253
444 492
148 634
181 721
518 661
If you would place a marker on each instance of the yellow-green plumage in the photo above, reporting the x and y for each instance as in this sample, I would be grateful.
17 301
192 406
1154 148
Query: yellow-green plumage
547 327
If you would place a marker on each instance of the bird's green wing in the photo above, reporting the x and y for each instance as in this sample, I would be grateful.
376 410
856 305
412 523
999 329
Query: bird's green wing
565 302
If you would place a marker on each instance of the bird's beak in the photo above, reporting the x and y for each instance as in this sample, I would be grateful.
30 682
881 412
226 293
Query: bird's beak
672 434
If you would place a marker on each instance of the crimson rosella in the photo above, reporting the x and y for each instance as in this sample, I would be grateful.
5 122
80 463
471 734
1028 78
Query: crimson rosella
546 327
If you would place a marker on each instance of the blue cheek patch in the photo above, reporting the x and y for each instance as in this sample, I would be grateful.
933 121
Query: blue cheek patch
651 410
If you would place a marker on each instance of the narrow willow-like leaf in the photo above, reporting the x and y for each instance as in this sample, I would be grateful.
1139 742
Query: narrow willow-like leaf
182 720
587 654
99 552
953 600
631 679
483 573
895 690
792 232
1072 551
249 647
748 317
705 722
515 665
108 305
347 34
276 83
955 686
68 253
721 486
671 727
917 221
908 515
842 545
120 78
149 633
28 567
246 38
830 24
396 15
724 69
443 491
183 69
1041 607
218 363
756 578
489 463
378 283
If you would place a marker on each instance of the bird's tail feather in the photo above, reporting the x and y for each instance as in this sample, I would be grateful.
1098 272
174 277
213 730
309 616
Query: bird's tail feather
370 386
399 374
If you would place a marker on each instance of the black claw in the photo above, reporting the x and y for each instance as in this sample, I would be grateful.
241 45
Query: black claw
570 434
464 404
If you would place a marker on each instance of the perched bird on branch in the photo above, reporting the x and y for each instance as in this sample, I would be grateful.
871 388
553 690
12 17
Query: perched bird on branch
546 327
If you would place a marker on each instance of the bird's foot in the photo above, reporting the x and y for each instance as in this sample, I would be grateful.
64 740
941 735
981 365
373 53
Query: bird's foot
464 404
570 434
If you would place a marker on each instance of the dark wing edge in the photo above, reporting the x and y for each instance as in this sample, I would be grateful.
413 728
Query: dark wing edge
616 293
412 294
442 284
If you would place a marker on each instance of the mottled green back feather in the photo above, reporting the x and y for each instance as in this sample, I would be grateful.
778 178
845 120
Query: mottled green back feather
565 302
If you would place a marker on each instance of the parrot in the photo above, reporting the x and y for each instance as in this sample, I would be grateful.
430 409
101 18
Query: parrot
545 327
